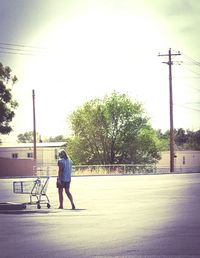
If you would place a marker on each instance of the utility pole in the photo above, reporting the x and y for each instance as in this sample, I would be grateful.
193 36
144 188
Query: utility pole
34 128
170 63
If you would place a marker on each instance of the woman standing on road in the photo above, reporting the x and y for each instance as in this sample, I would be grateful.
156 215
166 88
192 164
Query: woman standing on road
64 178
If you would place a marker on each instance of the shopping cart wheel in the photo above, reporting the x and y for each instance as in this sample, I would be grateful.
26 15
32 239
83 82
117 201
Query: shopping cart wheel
39 206
48 205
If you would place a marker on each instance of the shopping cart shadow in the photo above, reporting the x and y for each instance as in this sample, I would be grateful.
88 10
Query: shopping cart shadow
21 212
74 210
19 209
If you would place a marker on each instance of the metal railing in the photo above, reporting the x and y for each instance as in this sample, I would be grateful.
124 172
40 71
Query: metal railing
116 169
82 170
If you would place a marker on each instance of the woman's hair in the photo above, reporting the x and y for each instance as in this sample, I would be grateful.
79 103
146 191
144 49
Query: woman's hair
62 154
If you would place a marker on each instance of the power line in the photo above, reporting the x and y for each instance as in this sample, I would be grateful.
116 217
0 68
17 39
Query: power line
192 60
18 49
197 102
185 107
25 50
192 65
21 45
191 70
17 53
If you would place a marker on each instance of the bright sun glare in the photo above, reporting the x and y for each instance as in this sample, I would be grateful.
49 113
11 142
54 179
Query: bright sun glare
92 55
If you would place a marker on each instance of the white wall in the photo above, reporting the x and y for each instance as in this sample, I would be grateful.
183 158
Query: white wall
44 155
185 161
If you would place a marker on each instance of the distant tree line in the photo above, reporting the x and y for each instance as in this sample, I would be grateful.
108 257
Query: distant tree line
183 139
28 137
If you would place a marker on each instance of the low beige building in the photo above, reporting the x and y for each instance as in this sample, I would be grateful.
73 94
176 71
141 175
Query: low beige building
46 151
18 159
184 161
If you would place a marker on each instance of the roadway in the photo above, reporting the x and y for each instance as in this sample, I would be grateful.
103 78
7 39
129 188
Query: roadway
116 216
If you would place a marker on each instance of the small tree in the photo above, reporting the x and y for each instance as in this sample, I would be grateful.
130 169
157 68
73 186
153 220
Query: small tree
7 104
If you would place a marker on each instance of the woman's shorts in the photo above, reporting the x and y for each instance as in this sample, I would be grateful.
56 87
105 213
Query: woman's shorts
63 184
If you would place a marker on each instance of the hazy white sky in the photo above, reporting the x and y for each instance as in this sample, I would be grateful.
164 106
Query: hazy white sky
91 48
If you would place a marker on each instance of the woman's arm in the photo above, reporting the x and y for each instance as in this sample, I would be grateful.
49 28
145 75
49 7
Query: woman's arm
60 169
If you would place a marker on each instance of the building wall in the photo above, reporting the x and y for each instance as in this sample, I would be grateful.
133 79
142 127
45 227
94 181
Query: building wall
22 153
185 161
16 167
45 155
18 160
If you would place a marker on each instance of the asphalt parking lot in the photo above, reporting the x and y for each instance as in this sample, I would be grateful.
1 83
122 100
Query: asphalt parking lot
116 216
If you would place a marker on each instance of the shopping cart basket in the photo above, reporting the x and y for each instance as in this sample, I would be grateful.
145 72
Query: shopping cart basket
35 188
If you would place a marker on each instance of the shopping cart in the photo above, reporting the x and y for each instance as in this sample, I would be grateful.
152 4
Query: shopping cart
36 189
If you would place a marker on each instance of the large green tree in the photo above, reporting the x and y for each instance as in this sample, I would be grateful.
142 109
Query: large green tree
7 104
112 130
164 140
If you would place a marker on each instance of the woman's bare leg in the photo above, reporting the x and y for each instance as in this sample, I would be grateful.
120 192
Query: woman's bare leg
60 194
69 195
